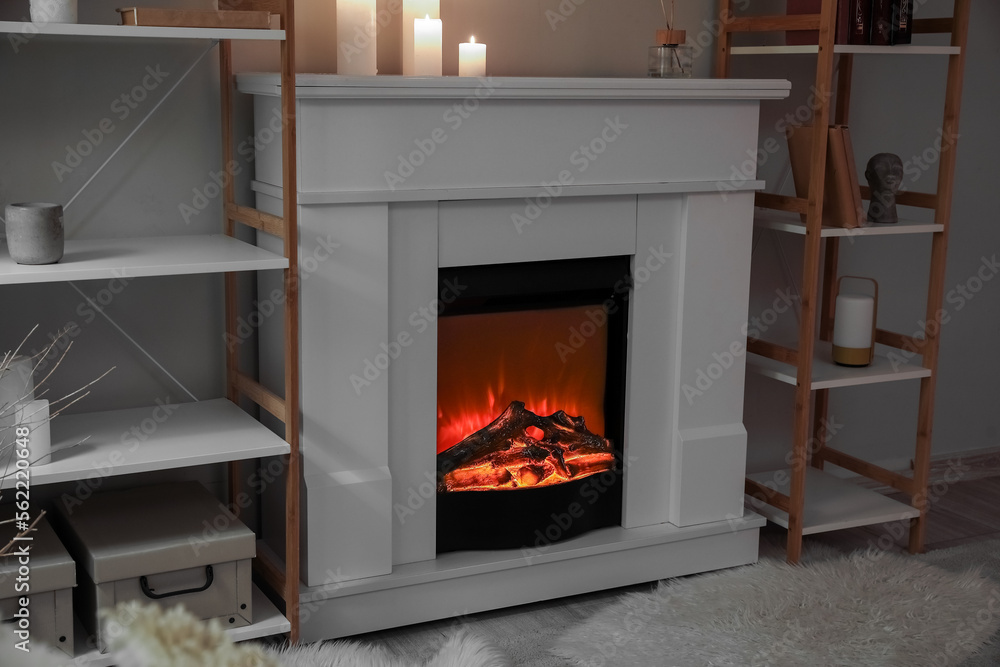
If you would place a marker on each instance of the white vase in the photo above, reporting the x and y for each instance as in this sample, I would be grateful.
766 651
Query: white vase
53 11
34 416
16 387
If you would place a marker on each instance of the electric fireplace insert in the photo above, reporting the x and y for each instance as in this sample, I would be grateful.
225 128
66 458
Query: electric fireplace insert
531 400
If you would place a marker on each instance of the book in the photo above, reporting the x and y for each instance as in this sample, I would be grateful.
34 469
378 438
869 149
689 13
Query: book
800 37
843 24
843 35
902 21
860 17
842 203
881 31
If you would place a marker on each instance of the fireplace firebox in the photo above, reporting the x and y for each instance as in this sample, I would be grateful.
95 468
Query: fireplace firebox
531 400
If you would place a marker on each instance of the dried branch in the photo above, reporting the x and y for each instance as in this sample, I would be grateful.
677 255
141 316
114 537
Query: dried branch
5 551
7 449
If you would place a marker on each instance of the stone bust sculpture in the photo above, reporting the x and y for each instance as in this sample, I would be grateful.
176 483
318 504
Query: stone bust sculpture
885 175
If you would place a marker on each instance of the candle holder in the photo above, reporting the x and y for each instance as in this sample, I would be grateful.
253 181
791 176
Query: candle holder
854 325
672 59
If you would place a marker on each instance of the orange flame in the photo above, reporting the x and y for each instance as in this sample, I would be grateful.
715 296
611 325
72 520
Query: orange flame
486 361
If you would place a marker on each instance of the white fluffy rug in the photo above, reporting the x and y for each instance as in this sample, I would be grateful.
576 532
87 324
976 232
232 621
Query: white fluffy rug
461 650
150 637
871 608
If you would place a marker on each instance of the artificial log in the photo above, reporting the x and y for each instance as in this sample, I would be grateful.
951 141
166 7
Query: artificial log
502 455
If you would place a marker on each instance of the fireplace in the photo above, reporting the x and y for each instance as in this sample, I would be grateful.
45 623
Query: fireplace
531 401
530 177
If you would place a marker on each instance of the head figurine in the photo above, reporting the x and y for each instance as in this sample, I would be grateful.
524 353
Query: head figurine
885 175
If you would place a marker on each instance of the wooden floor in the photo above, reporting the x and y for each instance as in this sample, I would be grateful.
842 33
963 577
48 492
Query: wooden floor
963 512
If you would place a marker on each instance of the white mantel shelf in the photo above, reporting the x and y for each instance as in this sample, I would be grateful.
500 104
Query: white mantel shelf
417 87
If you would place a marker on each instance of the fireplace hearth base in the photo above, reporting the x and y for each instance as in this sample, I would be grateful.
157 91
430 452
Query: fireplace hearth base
667 187
457 584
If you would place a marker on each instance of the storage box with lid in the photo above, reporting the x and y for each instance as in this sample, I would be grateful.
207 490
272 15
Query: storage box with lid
165 544
44 577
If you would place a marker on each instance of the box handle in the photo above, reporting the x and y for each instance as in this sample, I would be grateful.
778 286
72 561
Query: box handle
148 592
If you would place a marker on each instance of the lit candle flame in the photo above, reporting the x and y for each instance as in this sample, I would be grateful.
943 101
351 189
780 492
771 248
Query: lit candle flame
472 40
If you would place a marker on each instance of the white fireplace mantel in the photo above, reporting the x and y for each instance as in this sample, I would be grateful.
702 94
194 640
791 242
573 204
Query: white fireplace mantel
400 177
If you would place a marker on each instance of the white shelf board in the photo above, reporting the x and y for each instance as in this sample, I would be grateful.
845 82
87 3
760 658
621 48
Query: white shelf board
136 257
828 375
902 49
135 440
31 30
831 503
783 221
268 621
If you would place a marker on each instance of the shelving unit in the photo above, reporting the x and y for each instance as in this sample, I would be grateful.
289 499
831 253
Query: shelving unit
828 375
185 434
121 32
212 431
804 499
91 259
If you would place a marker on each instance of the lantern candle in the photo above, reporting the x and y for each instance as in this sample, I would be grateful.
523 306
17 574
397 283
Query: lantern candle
471 58
427 47
356 52
414 9
853 328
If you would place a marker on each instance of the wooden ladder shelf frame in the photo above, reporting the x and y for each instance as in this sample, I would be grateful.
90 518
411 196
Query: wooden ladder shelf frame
811 411
282 578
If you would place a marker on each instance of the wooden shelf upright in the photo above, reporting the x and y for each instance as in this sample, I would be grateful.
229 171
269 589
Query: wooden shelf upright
809 500
283 578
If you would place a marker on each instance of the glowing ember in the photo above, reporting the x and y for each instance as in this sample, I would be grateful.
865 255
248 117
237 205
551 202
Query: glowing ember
521 449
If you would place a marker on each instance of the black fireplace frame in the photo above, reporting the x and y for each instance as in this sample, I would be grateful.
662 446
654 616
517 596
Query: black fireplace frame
537 517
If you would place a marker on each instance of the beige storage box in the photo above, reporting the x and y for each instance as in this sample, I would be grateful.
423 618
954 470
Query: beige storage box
48 587
166 544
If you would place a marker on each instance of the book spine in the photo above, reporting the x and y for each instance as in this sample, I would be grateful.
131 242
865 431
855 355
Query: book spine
860 21
853 182
843 35
881 23
798 37
902 21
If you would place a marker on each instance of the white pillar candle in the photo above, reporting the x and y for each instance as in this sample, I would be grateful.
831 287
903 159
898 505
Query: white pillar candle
855 317
427 47
356 28
34 415
17 385
471 58
415 9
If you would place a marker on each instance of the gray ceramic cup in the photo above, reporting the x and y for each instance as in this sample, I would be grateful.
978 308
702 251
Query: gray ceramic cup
35 233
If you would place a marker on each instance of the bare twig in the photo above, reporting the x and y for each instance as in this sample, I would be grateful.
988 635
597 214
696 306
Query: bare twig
5 551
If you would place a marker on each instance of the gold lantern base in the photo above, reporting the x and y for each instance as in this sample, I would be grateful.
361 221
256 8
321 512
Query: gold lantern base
853 356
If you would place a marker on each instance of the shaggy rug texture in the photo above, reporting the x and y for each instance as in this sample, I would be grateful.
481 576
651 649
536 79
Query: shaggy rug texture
146 636
150 637
869 608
